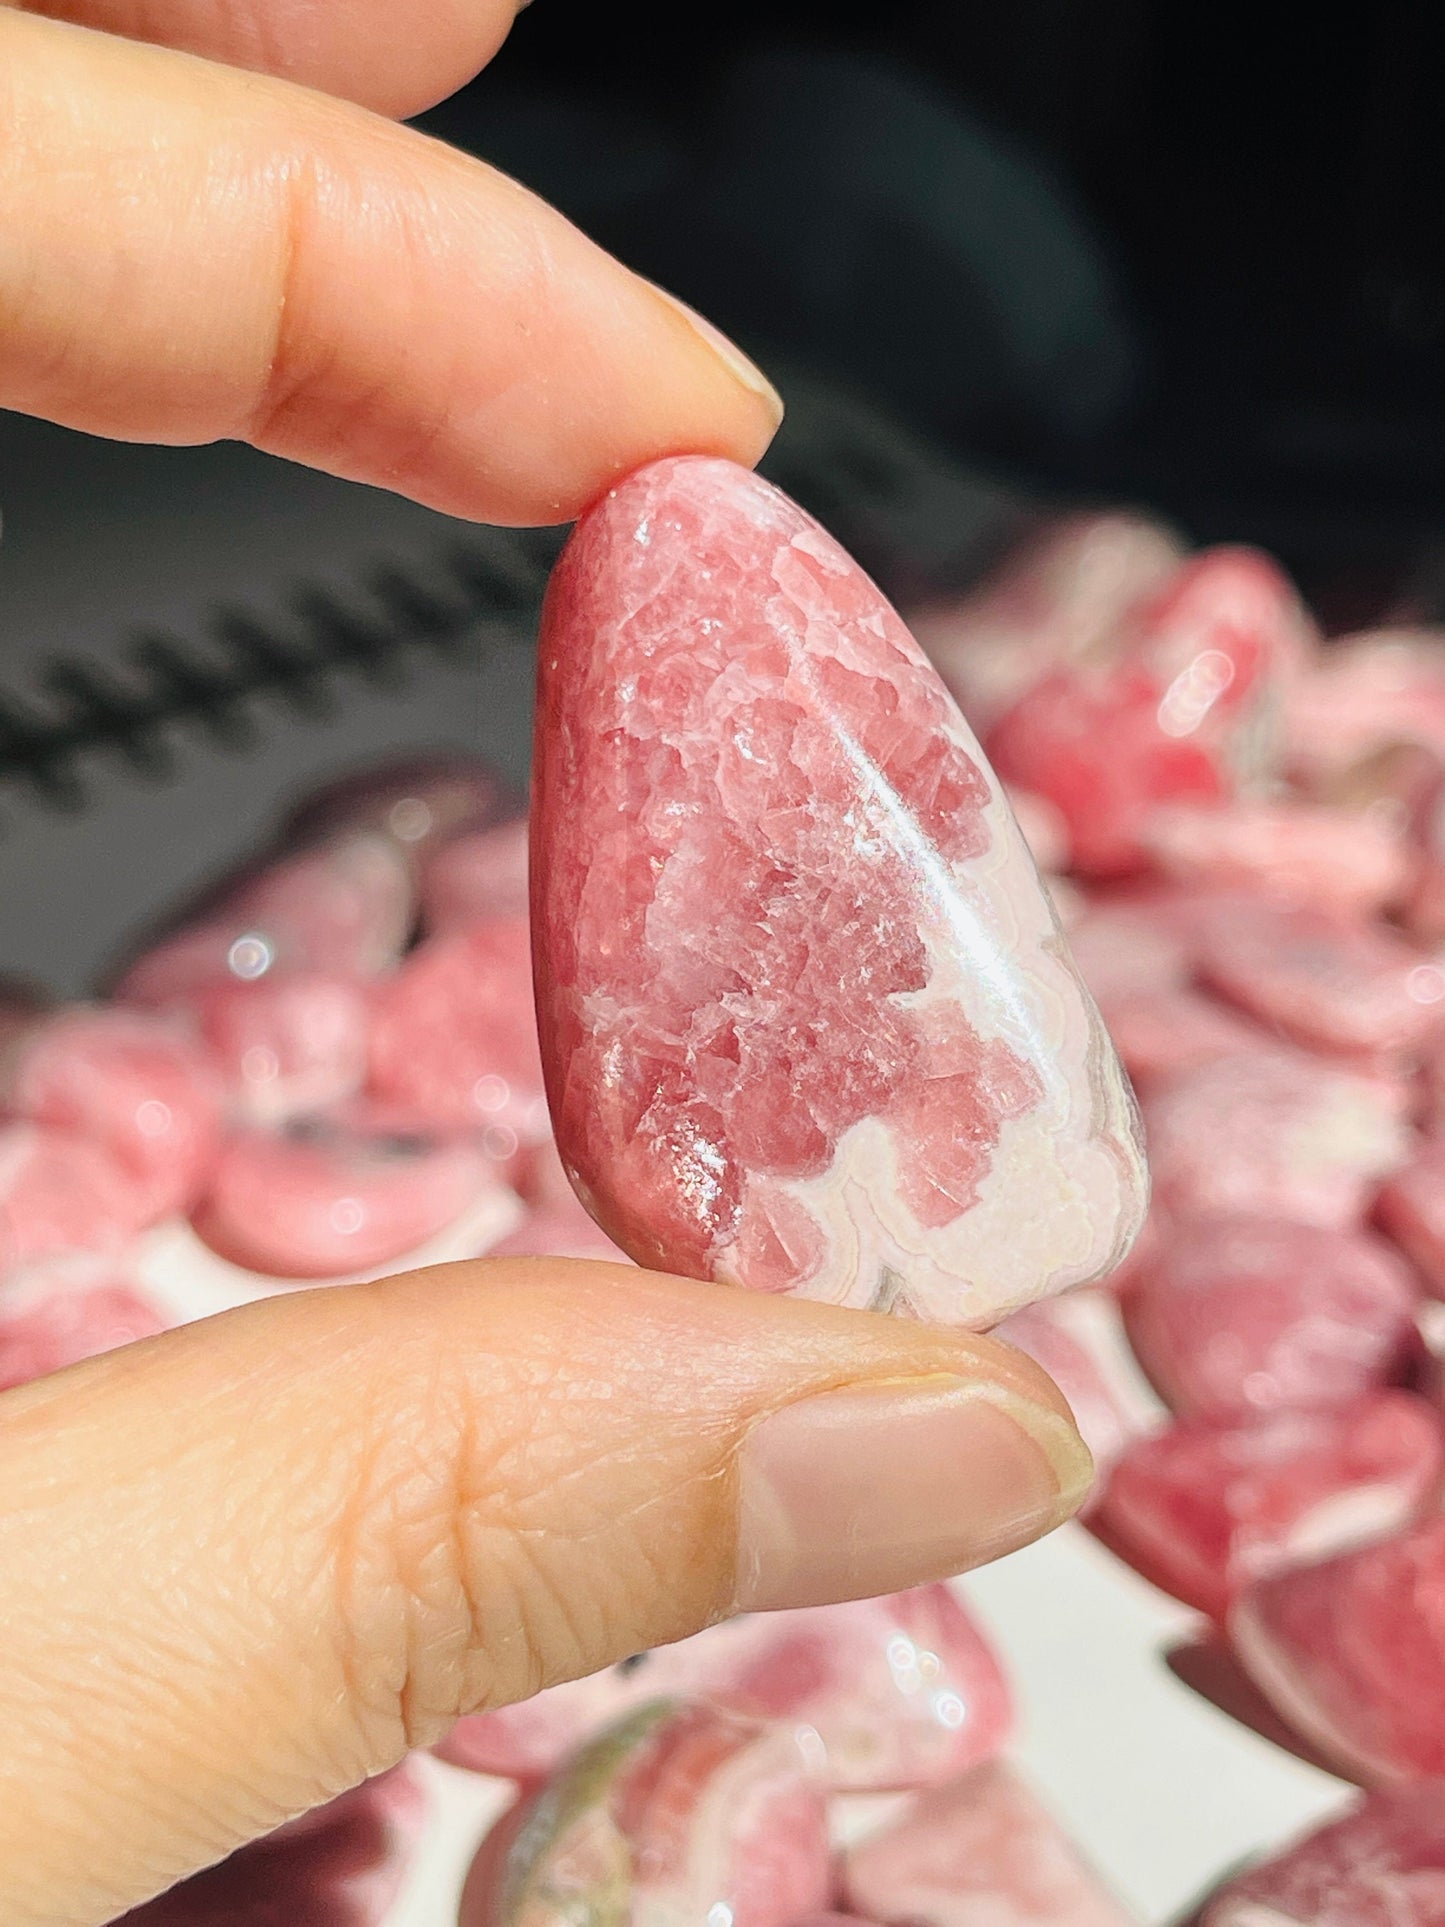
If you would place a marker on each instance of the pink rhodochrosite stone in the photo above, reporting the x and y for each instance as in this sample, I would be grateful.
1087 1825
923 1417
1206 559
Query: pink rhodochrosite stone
1334 859
59 1192
983 1850
1160 1033
1382 1864
1062 592
72 1307
418 803
454 1035
1332 983
679 1813
286 1044
475 877
808 1021
1276 1134
1241 1316
322 1200
1411 1208
1352 1653
900 1692
1204 1507
134 1085
1367 693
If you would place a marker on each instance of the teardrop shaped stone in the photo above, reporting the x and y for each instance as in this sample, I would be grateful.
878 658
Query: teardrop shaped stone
807 1017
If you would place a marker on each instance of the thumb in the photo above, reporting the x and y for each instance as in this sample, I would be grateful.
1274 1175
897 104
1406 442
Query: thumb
247 1564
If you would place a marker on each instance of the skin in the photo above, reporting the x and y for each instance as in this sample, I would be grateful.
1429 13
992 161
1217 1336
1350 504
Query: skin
247 1564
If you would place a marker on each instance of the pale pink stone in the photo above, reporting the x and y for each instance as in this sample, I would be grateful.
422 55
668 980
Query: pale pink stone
1061 593
59 1192
1411 1209
1180 707
1330 982
418 802
808 1020
679 1813
1131 945
1273 1135
68 1308
1382 1864
1301 852
559 1234
454 1035
287 1044
1160 1033
899 1692
1368 693
344 905
137 1086
1206 1506
1352 1653
1043 828
1241 1316
323 1201
1079 1341
345 1872
983 1850
475 877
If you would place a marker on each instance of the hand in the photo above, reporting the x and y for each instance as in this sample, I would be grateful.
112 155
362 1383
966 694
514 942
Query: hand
248 1564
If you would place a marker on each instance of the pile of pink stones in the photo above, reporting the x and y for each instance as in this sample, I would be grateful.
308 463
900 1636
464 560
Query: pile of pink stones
329 1068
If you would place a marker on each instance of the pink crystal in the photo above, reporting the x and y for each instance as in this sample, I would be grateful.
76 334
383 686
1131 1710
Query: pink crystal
1411 1208
1160 1033
288 1044
981 1850
475 877
454 1035
1352 1653
1206 1506
1273 1135
136 1086
1062 593
326 1201
1332 983
1325 857
57 1313
343 905
1366 694
345 1871
679 1813
59 1192
1178 708
900 1692
1382 1864
807 1018
1240 1316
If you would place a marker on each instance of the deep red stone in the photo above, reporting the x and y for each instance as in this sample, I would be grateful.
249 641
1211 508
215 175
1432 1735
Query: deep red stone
1352 1652
1382 1864
1176 706
1206 1506
806 1015
1241 1316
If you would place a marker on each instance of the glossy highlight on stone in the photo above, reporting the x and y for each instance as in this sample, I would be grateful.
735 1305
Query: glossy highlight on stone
900 1692
678 1814
807 1018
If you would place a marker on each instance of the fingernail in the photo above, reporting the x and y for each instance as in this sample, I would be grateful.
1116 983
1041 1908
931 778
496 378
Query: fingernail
882 1487
727 352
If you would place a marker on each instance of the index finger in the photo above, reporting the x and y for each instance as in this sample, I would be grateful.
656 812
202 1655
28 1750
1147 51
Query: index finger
190 253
